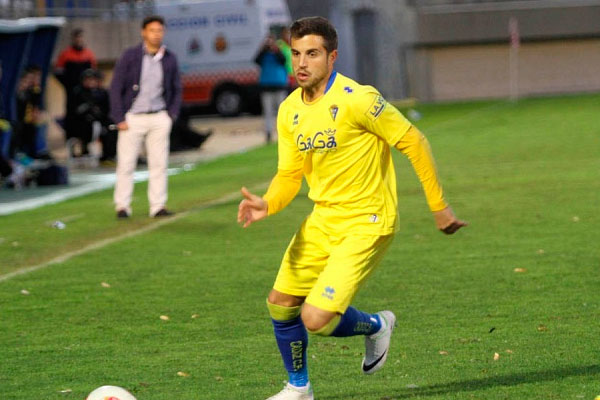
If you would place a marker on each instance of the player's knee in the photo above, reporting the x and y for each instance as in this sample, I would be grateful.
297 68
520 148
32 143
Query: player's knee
283 299
282 313
319 324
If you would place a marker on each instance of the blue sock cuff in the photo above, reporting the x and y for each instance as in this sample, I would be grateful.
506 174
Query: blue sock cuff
355 322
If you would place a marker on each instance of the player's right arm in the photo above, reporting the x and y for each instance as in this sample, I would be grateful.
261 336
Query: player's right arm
284 186
117 88
252 208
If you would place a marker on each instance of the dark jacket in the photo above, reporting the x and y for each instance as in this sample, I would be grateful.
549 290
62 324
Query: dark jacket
125 84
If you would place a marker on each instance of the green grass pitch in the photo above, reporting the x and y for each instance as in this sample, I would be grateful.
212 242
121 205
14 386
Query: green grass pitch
508 308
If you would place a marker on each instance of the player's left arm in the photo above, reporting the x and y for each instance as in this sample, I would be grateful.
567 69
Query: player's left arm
388 123
415 146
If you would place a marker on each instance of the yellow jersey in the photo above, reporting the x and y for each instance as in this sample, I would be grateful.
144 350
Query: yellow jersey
341 144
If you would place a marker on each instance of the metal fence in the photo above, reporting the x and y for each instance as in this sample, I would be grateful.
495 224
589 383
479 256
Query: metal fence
97 9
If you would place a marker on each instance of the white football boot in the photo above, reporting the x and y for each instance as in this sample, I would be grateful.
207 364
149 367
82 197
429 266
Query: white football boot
378 344
291 392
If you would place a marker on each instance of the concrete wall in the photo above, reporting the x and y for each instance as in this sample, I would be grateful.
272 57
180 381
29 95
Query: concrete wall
488 23
482 71
462 51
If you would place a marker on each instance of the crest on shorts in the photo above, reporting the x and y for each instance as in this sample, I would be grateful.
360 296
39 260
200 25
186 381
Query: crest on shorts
333 110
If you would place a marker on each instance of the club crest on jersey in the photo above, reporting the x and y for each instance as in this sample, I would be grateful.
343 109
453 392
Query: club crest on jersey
321 142
376 108
333 110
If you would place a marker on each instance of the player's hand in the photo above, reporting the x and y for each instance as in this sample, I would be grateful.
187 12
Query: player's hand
447 222
122 126
251 209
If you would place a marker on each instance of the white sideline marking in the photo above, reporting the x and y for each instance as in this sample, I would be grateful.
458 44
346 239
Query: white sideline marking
105 242
94 183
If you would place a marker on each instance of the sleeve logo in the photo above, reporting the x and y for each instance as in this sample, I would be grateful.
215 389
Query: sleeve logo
376 108
328 293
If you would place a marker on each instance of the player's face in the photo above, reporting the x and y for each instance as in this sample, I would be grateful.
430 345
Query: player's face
311 62
153 34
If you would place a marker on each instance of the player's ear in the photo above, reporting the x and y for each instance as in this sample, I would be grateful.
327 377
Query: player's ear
333 56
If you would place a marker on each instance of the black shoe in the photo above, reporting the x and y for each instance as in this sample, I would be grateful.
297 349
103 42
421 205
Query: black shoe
122 214
163 212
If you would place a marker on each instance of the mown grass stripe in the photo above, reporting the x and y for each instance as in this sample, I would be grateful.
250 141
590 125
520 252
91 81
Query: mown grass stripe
105 242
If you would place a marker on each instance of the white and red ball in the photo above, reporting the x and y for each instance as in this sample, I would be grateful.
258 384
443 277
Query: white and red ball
110 393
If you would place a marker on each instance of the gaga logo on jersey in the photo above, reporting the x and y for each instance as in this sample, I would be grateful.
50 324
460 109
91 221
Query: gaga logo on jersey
320 142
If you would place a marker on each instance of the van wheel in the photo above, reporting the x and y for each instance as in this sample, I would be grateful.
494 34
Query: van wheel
229 102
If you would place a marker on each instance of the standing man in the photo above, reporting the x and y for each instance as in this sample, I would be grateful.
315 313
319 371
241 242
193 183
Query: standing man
145 99
284 46
273 81
338 134
71 63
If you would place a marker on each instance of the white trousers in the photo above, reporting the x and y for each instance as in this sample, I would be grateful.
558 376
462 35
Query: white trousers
270 103
153 130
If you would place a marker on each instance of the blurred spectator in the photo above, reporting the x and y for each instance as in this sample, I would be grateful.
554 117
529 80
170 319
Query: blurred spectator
90 119
273 80
5 165
5 127
70 65
284 46
29 113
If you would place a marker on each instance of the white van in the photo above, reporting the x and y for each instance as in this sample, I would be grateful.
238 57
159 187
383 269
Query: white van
216 42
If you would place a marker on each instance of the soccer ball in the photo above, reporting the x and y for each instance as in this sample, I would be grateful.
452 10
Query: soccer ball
110 393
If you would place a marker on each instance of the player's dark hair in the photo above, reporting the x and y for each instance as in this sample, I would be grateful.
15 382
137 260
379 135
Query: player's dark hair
316 26
153 18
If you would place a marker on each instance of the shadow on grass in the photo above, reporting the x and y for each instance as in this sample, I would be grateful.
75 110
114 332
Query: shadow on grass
478 384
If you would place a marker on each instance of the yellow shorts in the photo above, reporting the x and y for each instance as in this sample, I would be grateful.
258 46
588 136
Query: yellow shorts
328 270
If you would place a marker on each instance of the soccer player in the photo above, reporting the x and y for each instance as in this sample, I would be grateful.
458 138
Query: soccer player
337 134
